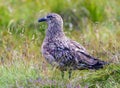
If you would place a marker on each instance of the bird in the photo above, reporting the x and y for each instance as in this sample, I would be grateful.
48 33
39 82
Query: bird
62 52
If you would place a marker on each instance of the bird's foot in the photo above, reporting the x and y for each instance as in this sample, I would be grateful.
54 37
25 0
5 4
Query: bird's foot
62 74
70 72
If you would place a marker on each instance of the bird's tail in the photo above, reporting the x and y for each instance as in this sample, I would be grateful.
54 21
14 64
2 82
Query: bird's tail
89 62
98 65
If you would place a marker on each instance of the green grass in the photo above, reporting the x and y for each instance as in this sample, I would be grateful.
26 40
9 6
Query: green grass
94 24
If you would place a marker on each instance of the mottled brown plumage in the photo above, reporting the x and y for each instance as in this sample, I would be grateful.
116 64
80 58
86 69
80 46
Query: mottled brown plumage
63 52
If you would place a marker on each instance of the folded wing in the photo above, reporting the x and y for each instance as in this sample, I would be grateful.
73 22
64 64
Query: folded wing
84 59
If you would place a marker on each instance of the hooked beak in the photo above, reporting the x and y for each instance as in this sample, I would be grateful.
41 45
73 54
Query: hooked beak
42 19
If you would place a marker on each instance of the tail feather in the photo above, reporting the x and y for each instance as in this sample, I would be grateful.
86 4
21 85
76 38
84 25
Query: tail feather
98 65
87 61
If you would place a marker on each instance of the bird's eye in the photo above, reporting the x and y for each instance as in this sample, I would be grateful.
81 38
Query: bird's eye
49 16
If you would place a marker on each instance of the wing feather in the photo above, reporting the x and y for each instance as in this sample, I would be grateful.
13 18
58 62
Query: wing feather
82 54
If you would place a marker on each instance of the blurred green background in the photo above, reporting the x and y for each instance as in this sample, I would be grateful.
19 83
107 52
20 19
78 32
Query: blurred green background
93 23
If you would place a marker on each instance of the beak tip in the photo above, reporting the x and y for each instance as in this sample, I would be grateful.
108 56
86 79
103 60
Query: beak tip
38 20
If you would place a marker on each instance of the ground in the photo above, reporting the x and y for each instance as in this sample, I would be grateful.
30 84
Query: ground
94 24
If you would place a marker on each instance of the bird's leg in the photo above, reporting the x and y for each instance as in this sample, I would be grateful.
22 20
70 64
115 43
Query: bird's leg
62 74
70 72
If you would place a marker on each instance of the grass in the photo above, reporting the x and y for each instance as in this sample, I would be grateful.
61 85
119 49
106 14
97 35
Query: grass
94 24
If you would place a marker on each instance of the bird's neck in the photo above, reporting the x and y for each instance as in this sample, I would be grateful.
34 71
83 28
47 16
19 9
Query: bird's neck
54 31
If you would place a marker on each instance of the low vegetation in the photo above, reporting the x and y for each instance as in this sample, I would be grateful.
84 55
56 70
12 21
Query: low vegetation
95 24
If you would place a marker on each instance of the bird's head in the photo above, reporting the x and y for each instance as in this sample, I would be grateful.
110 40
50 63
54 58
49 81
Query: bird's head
52 18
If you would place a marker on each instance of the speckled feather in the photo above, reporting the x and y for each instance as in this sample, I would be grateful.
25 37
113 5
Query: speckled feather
63 52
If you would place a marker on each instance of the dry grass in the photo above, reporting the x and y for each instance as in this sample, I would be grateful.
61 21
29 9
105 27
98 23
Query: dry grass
21 63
